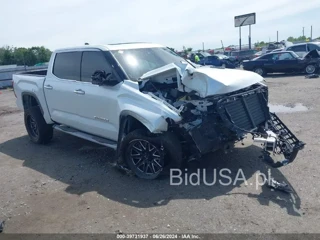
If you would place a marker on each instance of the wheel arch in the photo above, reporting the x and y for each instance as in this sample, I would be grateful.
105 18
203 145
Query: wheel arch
30 100
129 122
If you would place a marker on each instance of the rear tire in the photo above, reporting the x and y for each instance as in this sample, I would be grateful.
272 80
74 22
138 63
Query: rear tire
259 71
149 155
38 130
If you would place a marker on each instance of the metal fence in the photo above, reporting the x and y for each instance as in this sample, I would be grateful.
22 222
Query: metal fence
6 73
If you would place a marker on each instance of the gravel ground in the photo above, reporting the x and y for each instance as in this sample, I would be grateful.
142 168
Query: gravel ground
70 186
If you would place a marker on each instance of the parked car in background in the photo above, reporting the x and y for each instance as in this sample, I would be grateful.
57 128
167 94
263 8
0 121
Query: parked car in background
302 49
243 55
218 60
200 55
284 62
257 54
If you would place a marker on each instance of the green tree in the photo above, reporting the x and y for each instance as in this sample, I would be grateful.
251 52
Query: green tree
20 55
24 56
30 57
298 39
291 39
7 56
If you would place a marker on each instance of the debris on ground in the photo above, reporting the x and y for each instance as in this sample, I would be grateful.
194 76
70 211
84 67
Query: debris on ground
312 76
272 183
2 223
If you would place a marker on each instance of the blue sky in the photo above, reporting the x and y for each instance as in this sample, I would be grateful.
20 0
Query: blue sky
63 23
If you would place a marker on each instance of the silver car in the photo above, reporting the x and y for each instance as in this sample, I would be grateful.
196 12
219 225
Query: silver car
303 48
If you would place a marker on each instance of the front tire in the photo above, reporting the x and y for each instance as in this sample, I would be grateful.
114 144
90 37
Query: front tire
149 155
38 130
310 69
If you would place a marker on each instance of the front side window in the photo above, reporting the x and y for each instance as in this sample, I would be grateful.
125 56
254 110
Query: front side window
267 57
212 58
67 65
91 62
285 56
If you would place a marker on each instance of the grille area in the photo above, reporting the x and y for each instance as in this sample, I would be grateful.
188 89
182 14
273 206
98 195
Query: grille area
245 111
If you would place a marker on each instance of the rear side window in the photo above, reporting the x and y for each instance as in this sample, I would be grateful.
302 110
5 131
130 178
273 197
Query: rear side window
299 48
91 62
67 65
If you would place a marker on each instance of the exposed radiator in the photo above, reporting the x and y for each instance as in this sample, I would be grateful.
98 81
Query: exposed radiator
245 112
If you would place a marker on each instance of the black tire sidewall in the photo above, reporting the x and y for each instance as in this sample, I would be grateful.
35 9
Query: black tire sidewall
45 130
263 72
315 69
172 152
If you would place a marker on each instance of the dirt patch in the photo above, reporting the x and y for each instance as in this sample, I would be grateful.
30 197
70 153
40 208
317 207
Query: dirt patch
7 111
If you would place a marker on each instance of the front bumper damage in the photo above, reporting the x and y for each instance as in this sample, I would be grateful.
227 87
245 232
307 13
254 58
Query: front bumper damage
279 140
246 112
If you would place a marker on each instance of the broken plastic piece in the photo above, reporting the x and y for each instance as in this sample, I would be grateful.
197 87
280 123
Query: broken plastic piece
272 183
312 76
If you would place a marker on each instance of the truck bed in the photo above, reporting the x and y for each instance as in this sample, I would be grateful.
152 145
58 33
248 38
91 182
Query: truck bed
40 73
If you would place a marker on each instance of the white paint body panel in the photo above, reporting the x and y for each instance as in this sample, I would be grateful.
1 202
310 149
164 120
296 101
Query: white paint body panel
206 80
98 111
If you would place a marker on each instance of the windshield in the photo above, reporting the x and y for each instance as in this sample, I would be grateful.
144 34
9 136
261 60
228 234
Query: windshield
220 56
136 62
205 54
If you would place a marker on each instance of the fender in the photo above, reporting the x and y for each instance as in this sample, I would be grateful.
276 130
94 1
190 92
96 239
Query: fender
154 122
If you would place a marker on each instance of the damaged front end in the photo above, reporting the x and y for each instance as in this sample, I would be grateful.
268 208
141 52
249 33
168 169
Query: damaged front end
217 122
218 108
248 112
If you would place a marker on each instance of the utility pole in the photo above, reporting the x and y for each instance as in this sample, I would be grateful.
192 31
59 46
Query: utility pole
202 46
277 36
303 31
311 34
240 38
250 36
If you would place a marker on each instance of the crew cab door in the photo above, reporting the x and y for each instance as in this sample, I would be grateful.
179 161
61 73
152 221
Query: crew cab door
59 86
98 109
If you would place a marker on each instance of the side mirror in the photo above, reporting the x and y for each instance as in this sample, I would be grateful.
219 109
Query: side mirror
102 78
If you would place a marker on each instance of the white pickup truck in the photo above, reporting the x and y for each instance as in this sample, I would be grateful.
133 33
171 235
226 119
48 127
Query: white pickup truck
156 109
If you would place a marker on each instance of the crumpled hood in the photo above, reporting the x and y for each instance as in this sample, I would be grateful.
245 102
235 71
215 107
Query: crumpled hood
209 81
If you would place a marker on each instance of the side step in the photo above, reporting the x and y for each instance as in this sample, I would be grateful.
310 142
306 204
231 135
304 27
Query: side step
86 136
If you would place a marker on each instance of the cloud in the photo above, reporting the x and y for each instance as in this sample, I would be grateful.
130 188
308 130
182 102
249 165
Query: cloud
176 23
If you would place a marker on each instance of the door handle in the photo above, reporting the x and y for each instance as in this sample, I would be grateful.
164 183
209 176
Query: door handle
79 91
48 87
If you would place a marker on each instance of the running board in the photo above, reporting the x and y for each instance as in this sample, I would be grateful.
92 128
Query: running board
86 136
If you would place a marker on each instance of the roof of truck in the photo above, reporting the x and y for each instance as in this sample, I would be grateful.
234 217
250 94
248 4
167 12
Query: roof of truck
116 46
